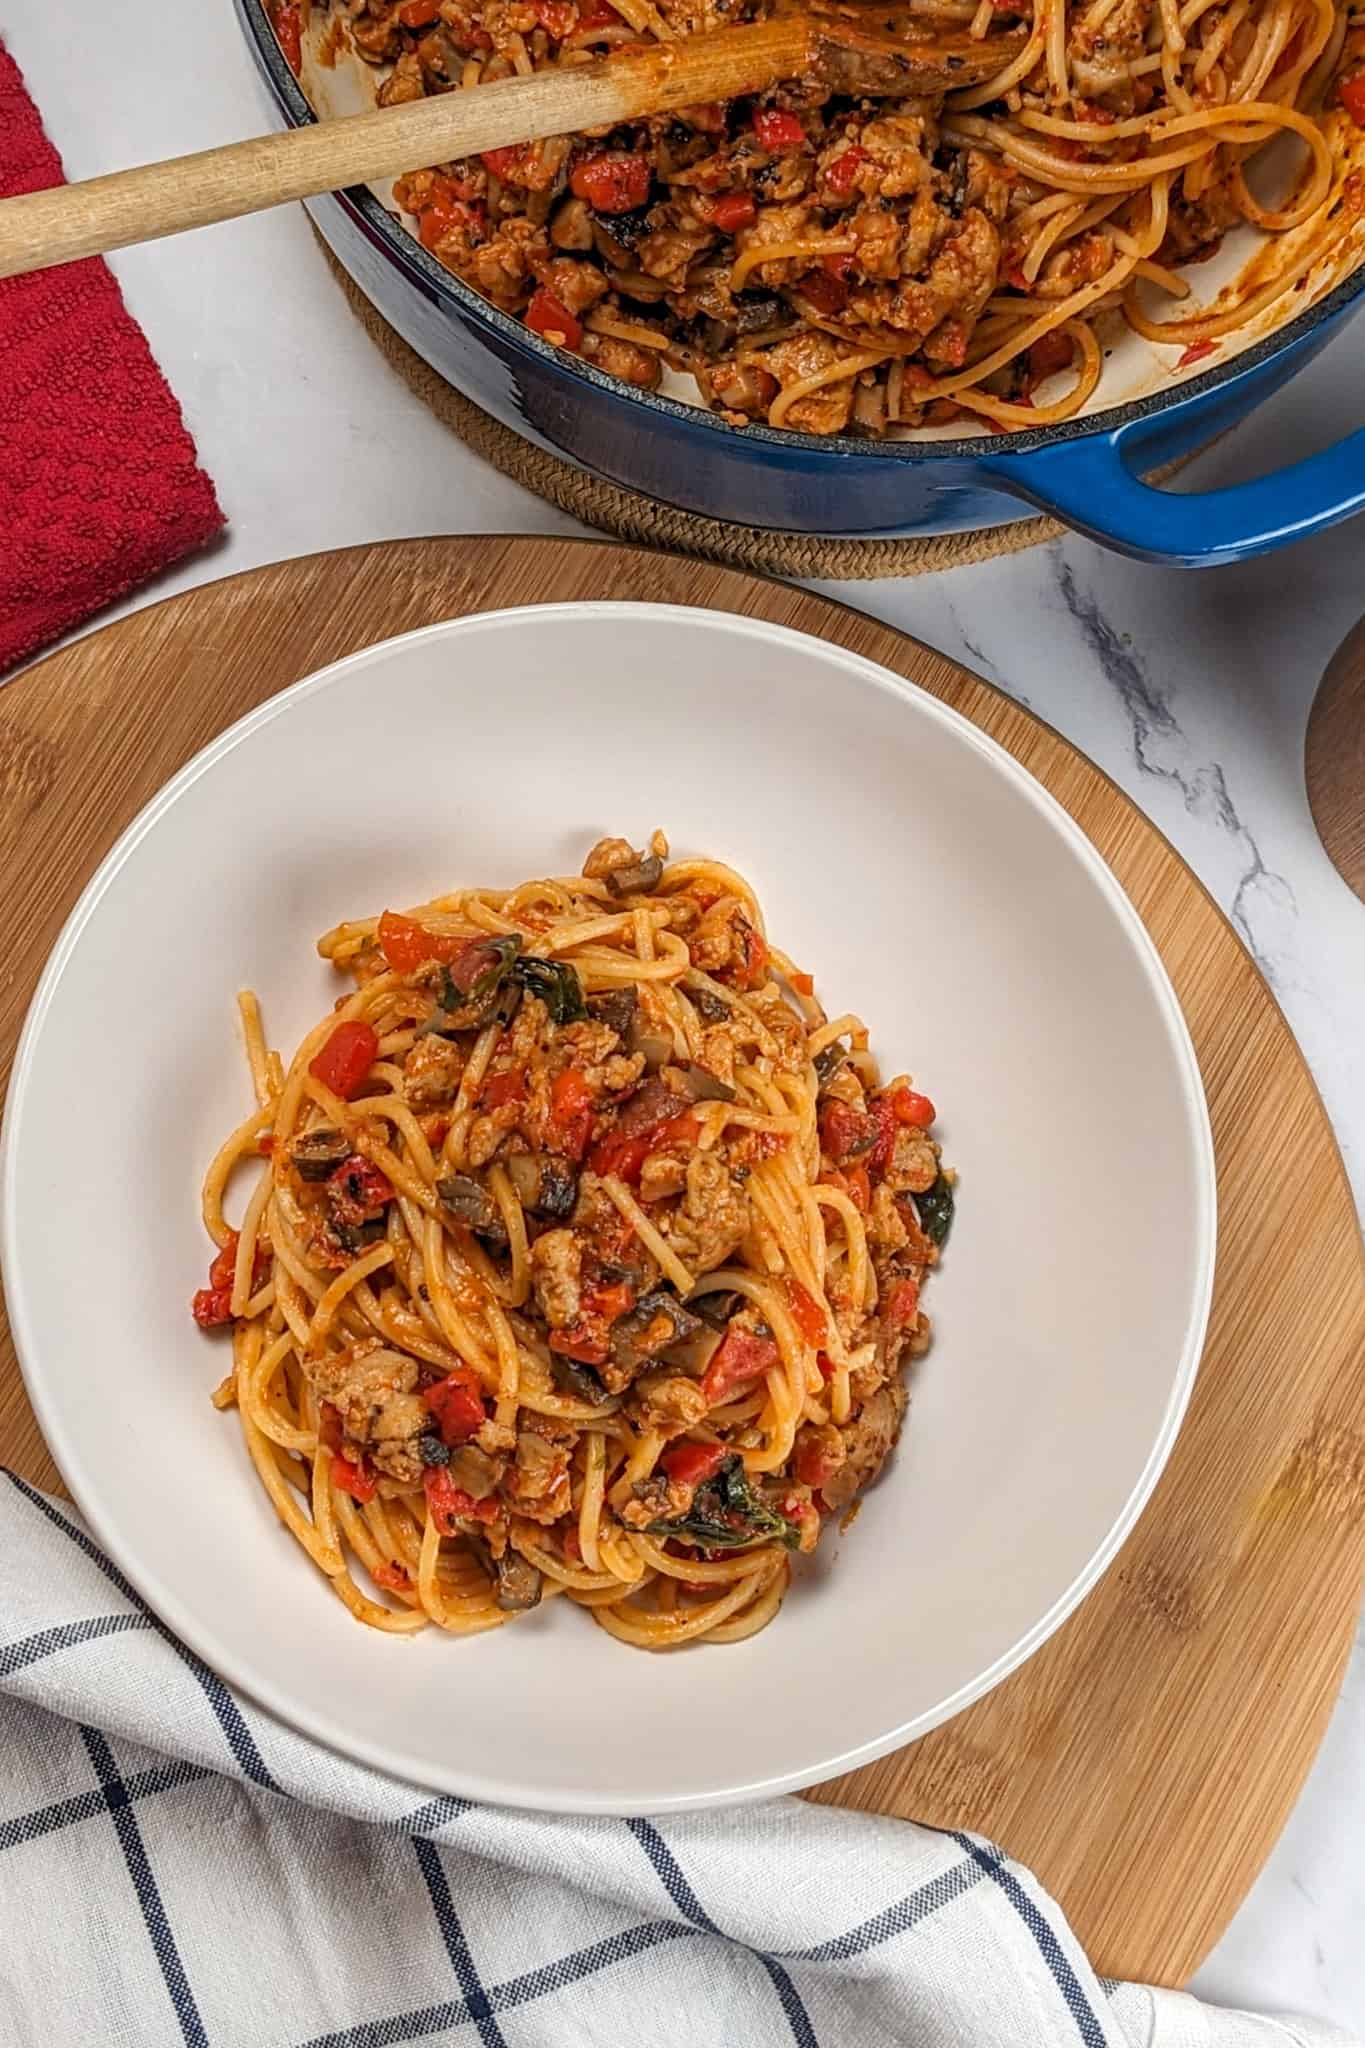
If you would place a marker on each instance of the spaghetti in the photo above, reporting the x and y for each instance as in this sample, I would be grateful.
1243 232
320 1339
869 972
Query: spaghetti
832 257
584 1256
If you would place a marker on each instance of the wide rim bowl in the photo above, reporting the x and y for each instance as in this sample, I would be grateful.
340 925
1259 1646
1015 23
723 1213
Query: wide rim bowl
59 1395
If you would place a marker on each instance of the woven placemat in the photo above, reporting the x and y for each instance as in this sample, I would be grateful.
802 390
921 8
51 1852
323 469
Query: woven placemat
633 517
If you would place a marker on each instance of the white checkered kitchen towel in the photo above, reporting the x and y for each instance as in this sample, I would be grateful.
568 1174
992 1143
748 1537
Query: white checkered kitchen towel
178 1870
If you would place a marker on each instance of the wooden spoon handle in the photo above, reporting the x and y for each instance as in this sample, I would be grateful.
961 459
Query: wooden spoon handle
43 228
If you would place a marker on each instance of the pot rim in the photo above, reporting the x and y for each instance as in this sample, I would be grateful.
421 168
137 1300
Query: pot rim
407 253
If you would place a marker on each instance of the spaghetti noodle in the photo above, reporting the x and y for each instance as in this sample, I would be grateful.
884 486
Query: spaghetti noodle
584 1256
834 256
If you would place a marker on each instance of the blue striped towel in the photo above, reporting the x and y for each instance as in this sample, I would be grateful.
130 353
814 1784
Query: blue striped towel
180 1870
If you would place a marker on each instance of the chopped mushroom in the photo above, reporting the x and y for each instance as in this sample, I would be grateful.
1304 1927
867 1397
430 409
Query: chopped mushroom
625 872
616 1008
579 1382
471 1204
318 1153
639 880
656 1323
700 1085
544 1182
518 1583
474 1472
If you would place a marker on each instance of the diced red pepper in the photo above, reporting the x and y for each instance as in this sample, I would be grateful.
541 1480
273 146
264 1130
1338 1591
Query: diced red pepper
816 1458
329 1427
807 1313
212 1307
884 1117
442 218
776 130
609 1302
852 1181
357 1480
357 1192
1351 93
846 1133
733 211
598 14
407 945
571 1112
1050 353
804 984
612 181
826 1365
622 1154
391 1577
901 1306
266 1146
751 1147
419 13
908 1106
691 1463
504 163
752 968
840 174
586 1340
224 1263
449 1503
346 1058
500 1089
828 295
742 1358
289 35
1197 350
904 1106
555 322
457 1403
558 18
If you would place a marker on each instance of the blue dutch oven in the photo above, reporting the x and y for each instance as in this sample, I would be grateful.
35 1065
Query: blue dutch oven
1086 472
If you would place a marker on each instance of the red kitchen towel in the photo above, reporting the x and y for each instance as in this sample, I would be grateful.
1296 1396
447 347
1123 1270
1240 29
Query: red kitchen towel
99 484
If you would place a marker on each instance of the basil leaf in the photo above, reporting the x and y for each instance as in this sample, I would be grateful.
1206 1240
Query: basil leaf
935 1210
726 1512
556 984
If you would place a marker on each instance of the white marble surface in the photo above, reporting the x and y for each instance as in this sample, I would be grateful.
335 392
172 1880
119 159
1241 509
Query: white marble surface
1190 690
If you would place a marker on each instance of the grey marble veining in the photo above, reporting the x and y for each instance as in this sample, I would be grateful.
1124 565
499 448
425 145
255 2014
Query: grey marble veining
1191 690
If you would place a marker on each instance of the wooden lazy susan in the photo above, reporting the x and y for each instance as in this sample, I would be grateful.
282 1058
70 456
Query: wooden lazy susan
1145 1759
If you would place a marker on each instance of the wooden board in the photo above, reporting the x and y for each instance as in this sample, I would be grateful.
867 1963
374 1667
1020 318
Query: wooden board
1144 1761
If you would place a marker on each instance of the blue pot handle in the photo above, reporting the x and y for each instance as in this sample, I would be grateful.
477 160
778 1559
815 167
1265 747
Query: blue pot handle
1089 484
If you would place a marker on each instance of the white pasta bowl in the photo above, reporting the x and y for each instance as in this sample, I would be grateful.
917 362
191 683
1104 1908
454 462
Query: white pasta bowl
928 883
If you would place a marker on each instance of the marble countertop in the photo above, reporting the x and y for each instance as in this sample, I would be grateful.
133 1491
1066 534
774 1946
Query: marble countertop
1191 690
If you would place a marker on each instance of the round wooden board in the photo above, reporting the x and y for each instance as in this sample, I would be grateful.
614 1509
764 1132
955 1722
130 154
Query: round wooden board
1145 1760
1334 759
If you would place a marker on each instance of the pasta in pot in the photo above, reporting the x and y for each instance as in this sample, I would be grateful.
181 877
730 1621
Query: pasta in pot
586 1257
834 256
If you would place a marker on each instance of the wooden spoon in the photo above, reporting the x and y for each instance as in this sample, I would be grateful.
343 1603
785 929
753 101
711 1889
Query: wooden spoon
58 226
